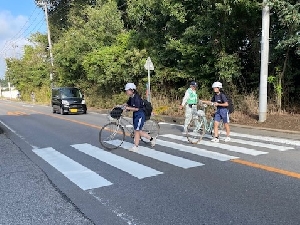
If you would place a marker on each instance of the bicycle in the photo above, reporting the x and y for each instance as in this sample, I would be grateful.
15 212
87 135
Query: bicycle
112 135
199 126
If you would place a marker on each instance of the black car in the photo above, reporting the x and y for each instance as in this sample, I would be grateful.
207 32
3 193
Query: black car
67 100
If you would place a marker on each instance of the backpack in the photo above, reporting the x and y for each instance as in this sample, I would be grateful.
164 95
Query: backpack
230 106
147 109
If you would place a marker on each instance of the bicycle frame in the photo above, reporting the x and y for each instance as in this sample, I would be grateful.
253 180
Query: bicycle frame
208 125
122 127
125 123
200 125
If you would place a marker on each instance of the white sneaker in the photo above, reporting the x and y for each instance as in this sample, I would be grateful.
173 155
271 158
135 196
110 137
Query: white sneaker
216 140
227 139
153 142
134 149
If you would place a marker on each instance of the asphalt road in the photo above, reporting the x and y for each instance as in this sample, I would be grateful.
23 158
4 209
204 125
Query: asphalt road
53 171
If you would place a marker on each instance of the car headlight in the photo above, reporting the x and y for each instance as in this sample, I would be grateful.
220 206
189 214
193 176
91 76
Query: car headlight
65 102
83 101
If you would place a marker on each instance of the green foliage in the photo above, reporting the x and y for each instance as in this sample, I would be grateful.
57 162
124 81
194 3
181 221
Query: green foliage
32 70
102 44
228 67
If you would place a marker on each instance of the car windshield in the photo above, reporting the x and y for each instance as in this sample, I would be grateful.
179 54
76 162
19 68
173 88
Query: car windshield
71 93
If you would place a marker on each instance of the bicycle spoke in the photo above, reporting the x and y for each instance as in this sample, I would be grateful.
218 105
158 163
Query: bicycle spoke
195 131
151 127
111 132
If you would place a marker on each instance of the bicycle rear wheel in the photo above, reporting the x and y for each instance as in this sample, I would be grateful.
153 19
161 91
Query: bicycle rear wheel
195 131
111 136
151 127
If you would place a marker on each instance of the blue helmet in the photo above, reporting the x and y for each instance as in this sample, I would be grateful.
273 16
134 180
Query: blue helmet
193 83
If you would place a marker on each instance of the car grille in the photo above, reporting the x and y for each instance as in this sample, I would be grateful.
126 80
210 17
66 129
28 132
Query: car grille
75 106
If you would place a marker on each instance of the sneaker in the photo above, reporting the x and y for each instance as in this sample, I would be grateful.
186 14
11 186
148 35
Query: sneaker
227 139
153 142
215 139
134 149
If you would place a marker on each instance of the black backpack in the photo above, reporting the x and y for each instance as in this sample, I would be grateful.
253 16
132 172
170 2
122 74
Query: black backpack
230 106
147 109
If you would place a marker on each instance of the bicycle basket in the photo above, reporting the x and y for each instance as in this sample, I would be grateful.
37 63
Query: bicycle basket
116 112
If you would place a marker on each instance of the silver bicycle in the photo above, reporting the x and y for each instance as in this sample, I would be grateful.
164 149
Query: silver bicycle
200 125
112 135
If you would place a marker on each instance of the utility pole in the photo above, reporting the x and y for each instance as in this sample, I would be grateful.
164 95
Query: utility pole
44 4
263 85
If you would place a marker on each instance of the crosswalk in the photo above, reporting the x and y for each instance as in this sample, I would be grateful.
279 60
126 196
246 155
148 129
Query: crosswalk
173 150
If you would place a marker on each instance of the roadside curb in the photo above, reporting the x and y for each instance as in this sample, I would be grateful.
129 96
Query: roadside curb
180 121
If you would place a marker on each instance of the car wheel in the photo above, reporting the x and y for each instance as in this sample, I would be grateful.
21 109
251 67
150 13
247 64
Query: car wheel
62 111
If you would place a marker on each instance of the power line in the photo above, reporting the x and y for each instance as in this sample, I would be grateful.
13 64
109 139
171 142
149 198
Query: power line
21 34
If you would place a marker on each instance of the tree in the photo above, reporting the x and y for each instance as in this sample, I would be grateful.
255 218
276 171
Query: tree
32 70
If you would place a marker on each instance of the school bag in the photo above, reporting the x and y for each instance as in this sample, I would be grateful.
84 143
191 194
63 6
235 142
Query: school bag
147 109
230 106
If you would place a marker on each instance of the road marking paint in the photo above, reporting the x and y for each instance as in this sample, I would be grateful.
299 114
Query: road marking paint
133 168
262 145
227 147
267 139
270 139
196 151
160 156
262 138
16 113
75 172
267 168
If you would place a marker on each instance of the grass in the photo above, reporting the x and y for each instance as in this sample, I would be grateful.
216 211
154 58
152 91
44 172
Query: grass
246 105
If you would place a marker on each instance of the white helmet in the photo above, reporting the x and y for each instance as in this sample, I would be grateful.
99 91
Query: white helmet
217 85
130 86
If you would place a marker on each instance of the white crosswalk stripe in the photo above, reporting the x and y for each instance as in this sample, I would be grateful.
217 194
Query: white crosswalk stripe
256 144
87 179
161 156
267 139
75 172
255 137
227 147
262 145
196 151
133 168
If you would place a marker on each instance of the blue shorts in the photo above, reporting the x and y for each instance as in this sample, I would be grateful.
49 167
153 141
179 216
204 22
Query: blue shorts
222 114
138 120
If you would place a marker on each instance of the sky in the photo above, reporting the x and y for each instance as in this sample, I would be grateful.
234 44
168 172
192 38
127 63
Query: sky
19 19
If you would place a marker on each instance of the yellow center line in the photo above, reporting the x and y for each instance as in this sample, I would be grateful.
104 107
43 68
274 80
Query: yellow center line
66 119
239 161
267 168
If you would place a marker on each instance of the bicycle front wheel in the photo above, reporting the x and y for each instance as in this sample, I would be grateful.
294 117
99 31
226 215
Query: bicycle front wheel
195 131
111 136
152 128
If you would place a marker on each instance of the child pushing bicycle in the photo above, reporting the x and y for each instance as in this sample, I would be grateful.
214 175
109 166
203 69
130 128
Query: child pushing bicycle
136 104
220 101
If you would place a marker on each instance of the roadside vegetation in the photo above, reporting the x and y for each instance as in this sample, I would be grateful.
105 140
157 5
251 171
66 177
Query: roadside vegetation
99 45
